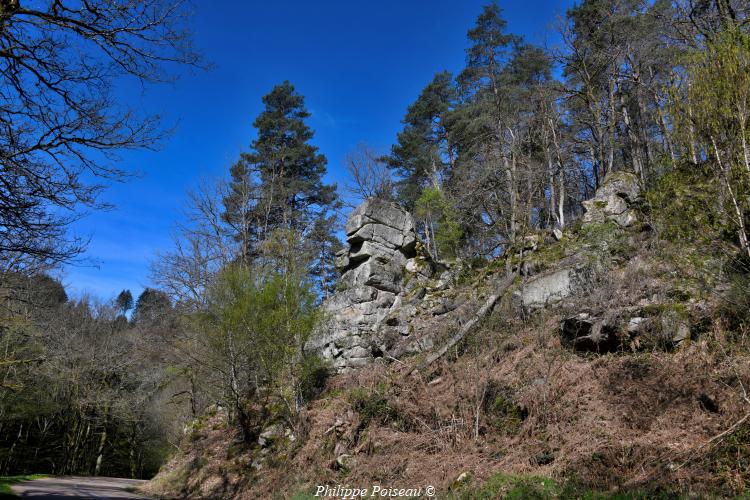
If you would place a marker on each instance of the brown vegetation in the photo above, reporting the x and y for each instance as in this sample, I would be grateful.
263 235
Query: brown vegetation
510 398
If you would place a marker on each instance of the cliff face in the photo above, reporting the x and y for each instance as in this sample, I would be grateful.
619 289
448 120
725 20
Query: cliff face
384 275
604 364
381 241
390 294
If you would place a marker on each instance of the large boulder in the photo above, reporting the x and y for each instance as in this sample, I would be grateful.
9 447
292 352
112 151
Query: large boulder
577 277
381 246
545 290
614 200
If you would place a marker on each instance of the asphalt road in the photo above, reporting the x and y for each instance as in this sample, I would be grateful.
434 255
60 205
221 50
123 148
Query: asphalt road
54 488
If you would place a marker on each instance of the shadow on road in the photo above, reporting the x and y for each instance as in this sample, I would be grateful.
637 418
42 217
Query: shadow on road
53 488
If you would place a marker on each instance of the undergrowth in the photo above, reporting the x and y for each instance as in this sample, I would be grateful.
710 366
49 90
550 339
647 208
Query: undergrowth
514 487
6 482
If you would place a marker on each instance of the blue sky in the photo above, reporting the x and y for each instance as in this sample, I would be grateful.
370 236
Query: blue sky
359 65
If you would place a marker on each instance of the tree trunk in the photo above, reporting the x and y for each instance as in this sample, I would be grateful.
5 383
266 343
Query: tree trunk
100 451
691 133
635 156
102 443
486 308
726 175
664 130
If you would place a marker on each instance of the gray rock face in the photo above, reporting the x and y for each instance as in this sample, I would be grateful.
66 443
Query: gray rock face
382 245
546 290
554 287
614 199
675 328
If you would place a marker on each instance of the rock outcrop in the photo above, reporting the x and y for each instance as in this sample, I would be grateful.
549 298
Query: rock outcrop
382 250
614 200
547 289
551 288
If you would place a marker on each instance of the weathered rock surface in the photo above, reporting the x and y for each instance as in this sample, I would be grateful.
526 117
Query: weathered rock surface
382 249
546 289
614 200
675 328
552 288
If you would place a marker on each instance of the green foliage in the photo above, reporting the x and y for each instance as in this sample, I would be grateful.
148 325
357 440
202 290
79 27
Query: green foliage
124 301
541 488
510 487
278 186
599 233
313 375
502 412
719 92
6 482
152 306
440 220
254 329
490 47
372 405
423 153
304 494
730 460
279 182
258 320
713 121
684 205
734 309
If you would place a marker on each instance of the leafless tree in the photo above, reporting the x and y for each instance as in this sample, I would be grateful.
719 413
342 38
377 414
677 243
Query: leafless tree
370 177
202 246
60 122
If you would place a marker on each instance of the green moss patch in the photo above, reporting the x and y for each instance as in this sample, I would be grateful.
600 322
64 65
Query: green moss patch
6 482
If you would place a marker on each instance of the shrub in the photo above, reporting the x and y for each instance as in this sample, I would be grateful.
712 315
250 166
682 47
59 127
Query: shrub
372 405
314 373
503 413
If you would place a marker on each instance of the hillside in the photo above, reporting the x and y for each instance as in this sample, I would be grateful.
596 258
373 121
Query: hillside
609 365
396 249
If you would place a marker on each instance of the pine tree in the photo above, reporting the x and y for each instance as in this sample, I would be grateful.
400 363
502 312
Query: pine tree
490 49
152 306
424 154
240 210
124 301
278 186
291 191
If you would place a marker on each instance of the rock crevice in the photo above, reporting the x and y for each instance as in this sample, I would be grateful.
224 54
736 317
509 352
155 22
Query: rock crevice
382 248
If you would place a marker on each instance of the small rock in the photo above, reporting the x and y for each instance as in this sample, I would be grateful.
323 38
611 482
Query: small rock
270 434
462 478
635 324
343 461
614 199
530 243
675 328
445 306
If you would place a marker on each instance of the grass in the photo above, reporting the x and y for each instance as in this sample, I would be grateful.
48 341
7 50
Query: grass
543 488
7 481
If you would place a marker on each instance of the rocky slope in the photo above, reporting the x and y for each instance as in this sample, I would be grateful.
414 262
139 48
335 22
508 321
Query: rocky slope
608 364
